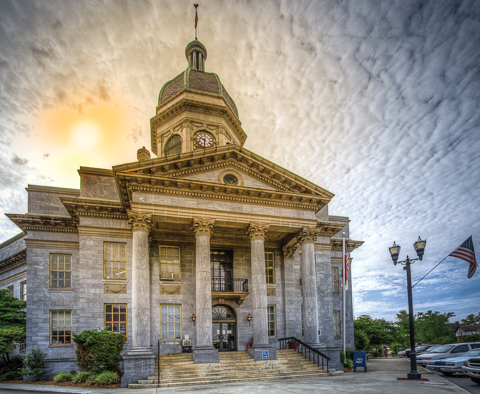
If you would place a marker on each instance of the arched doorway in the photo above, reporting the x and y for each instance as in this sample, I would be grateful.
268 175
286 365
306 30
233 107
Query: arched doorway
224 328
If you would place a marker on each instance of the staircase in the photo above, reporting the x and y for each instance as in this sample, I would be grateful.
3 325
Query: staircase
180 370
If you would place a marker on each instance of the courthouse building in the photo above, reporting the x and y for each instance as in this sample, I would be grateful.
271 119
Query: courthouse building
207 242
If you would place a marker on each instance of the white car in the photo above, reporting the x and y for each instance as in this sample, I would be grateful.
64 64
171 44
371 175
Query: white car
472 369
449 366
446 351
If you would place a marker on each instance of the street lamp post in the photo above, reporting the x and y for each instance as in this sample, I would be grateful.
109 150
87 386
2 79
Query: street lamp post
394 252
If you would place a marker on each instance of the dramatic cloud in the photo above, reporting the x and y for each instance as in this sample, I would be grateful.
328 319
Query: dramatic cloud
376 101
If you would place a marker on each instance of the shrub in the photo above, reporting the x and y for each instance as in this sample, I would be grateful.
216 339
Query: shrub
34 364
361 340
63 377
348 363
106 378
99 350
11 370
81 377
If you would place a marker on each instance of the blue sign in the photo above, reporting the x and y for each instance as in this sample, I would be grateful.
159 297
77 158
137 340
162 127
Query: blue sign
360 360
265 354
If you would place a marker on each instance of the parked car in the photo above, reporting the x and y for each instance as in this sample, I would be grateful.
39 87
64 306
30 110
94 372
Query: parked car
418 349
472 369
446 351
449 366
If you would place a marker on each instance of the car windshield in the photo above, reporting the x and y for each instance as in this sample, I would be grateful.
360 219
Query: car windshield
442 349
472 353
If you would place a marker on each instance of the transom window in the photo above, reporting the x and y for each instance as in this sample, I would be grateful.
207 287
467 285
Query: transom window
270 267
336 323
272 321
222 312
116 318
171 322
170 263
61 271
115 260
335 286
60 327
173 145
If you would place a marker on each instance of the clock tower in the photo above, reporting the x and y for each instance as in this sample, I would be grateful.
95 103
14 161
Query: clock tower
194 110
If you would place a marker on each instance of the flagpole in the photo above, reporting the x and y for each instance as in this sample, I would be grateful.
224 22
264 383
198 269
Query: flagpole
343 300
447 256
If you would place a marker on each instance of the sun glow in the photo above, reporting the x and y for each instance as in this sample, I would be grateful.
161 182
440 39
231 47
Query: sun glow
85 135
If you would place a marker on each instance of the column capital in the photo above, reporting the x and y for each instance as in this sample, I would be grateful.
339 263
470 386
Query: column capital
289 252
202 226
308 235
257 231
140 221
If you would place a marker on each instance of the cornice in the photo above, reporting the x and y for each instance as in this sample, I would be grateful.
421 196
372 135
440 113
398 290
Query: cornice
336 244
51 223
13 239
86 207
13 261
13 278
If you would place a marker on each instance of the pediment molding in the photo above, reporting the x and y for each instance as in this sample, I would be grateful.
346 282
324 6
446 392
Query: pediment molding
13 261
50 223
85 207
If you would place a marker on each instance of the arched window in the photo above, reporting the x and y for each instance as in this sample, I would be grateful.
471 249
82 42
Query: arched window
173 145
222 312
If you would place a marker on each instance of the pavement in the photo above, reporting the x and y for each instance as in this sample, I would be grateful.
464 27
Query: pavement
381 378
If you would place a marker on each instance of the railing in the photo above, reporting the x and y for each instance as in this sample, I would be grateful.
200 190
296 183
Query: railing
308 352
229 284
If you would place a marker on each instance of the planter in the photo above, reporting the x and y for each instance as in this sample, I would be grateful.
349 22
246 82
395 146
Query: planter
294 346
347 369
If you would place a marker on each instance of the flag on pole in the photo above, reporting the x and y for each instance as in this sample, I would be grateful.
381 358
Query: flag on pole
346 263
466 252
196 15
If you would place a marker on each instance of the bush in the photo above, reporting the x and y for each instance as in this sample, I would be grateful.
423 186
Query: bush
361 340
106 378
81 377
63 377
99 350
11 370
34 364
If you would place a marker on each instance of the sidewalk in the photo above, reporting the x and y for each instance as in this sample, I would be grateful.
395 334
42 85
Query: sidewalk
381 378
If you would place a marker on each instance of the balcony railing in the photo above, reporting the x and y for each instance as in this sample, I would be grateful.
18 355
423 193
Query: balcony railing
229 284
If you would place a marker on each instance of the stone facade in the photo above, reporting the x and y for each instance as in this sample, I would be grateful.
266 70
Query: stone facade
249 236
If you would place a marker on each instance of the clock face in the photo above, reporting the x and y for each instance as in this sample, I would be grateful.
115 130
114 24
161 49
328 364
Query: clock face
203 139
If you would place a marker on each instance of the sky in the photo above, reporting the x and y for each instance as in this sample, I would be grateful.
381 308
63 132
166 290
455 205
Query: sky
375 101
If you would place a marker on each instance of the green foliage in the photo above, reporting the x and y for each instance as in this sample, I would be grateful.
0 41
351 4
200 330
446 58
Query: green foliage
34 364
432 325
378 331
11 369
361 340
106 378
471 338
81 377
471 319
63 377
99 350
12 323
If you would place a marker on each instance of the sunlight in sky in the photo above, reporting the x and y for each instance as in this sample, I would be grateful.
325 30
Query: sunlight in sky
85 135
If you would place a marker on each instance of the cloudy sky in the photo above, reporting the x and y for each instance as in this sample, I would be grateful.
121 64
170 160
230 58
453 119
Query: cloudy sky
376 101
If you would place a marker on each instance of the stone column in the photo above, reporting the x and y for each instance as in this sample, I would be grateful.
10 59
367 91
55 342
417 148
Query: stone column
293 311
307 237
204 351
257 233
139 362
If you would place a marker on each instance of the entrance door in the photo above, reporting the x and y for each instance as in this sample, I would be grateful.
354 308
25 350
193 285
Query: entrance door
224 328
224 336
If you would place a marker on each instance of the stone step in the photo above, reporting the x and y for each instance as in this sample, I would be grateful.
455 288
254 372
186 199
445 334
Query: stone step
235 364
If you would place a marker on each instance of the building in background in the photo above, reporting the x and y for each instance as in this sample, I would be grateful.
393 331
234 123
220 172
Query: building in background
208 242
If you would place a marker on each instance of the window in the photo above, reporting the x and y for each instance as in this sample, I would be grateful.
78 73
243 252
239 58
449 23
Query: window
270 267
60 327
461 349
170 263
10 290
115 260
116 318
336 323
61 271
272 321
335 282
171 320
23 346
173 145
23 291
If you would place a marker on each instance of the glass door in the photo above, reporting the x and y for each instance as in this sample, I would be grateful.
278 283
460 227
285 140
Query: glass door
223 336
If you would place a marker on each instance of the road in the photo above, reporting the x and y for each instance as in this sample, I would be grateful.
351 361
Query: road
464 382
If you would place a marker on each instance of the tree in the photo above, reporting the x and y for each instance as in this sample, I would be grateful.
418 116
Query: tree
378 331
403 328
12 323
361 340
431 326
471 319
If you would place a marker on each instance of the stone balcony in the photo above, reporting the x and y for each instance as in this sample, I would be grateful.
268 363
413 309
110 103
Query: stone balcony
229 291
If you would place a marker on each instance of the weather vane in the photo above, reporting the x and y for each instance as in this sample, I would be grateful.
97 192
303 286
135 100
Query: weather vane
196 20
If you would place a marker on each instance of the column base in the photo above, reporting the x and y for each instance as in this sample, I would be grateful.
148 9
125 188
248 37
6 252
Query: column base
205 355
138 364
263 352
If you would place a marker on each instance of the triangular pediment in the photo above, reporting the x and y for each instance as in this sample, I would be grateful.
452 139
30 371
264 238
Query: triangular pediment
201 172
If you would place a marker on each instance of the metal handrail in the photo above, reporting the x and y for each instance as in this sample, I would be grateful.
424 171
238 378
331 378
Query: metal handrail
303 350
224 284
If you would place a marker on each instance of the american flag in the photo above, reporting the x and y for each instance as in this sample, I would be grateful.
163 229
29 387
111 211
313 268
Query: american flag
196 16
466 252
346 262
